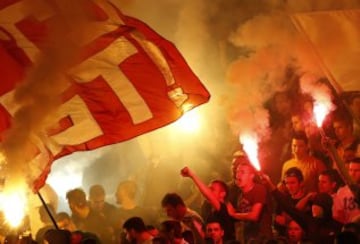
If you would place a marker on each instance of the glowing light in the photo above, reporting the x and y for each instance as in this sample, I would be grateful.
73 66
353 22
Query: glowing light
189 122
65 181
321 94
250 145
13 205
319 113
321 110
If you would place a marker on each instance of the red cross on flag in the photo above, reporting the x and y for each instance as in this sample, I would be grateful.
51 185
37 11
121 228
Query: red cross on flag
78 75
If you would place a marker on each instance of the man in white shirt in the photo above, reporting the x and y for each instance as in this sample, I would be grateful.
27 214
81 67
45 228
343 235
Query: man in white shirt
346 207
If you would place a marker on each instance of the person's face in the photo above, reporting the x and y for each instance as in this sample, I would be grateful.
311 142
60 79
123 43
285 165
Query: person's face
354 172
292 184
214 231
342 131
173 212
295 232
244 176
72 206
299 148
235 163
66 224
297 123
325 185
97 202
317 211
217 190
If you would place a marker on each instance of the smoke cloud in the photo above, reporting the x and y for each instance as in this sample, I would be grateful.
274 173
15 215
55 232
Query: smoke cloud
39 95
241 50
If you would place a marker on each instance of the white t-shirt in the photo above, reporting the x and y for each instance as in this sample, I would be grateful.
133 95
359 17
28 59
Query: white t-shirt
345 208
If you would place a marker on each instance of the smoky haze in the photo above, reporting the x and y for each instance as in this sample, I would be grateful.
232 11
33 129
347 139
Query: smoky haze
241 50
38 96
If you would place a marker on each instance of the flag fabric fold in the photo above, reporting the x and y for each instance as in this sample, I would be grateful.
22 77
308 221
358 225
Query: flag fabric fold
334 36
126 80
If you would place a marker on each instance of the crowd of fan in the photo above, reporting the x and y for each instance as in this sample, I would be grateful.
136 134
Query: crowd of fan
316 201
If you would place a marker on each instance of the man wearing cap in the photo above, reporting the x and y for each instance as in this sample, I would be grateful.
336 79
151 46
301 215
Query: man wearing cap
346 205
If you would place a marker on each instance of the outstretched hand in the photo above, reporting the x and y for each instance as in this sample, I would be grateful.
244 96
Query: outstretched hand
186 172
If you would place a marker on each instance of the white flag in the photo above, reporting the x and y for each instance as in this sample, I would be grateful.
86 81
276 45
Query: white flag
335 38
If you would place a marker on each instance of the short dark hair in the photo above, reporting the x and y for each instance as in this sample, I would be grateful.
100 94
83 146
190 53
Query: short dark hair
214 219
58 236
96 190
172 199
294 172
135 223
334 176
76 196
223 185
300 135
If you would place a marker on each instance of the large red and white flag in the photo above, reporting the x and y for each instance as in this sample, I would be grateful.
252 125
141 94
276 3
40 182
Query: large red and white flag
335 38
119 78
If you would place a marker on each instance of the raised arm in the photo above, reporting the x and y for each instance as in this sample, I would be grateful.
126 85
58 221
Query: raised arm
204 189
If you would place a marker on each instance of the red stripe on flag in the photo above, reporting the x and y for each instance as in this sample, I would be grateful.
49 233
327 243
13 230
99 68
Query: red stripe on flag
128 81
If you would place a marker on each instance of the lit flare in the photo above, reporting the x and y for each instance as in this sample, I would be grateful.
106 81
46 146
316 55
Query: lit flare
250 146
13 205
321 110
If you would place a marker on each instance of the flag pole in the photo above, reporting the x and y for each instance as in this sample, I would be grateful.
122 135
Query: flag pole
48 211
338 161
341 167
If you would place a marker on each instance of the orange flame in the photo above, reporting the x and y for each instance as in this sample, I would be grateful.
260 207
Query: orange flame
250 145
